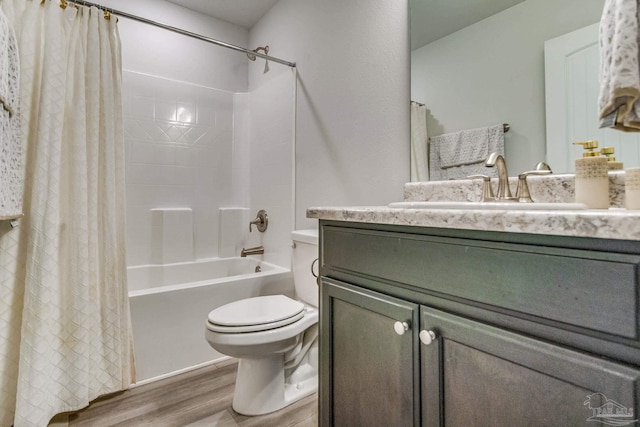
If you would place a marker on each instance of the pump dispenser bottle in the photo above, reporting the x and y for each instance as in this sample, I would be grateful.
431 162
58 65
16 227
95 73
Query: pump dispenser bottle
608 152
592 178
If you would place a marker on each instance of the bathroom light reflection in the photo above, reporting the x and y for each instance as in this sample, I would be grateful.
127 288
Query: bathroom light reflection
184 115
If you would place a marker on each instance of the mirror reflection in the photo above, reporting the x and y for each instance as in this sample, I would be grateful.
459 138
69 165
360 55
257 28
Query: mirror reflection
480 64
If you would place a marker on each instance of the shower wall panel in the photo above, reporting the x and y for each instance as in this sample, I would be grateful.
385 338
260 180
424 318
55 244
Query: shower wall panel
180 154
272 136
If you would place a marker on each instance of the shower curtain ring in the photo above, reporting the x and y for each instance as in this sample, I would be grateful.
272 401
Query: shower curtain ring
265 49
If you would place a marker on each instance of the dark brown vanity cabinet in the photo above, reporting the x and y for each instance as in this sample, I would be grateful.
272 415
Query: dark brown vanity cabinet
372 378
409 348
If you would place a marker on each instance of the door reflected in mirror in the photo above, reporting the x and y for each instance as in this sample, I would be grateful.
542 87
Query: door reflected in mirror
478 68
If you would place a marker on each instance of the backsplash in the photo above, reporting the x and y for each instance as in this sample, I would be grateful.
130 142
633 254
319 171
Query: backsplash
551 189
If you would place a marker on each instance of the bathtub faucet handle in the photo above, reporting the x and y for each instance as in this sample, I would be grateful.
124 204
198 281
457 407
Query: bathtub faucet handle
261 221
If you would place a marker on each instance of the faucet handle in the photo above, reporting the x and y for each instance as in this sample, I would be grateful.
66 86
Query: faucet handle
261 221
487 190
543 166
522 192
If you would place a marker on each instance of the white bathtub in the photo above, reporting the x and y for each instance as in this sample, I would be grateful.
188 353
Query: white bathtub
170 303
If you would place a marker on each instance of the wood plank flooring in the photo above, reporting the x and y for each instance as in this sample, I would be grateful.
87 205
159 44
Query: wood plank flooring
200 398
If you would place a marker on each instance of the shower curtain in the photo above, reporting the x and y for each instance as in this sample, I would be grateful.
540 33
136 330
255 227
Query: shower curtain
419 143
65 335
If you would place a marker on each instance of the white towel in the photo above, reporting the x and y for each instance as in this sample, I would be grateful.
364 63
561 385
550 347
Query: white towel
460 154
619 67
11 163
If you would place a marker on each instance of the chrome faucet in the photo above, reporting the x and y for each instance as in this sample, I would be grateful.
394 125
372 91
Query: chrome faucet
261 221
258 250
504 191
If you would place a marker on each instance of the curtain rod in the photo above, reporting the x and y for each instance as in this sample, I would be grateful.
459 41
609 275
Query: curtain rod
184 32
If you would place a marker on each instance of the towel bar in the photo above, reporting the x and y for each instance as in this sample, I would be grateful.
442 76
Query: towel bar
505 129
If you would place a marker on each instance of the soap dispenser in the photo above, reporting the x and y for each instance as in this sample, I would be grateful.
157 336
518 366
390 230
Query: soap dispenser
611 161
592 178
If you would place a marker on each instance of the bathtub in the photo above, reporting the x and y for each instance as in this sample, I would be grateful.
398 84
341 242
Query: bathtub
170 303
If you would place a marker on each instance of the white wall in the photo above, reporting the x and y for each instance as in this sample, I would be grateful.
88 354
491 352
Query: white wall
352 128
493 72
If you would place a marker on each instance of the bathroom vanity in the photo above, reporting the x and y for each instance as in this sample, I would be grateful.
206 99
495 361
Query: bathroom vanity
478 318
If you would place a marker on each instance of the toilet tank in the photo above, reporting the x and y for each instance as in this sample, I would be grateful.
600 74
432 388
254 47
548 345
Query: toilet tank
305 252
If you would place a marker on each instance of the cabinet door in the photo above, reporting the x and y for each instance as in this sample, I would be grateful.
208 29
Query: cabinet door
369 371
474 374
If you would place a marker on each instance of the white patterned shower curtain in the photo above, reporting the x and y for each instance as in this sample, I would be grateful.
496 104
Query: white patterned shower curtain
65 335
419 143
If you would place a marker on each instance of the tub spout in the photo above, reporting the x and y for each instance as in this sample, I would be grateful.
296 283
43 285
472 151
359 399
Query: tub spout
258 250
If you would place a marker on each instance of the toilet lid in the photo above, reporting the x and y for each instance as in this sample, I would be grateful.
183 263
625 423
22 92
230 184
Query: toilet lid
254 314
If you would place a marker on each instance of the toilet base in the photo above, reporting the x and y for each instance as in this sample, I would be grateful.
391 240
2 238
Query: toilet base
261 386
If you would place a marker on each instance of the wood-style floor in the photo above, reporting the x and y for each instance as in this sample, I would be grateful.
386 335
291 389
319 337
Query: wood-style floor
200 398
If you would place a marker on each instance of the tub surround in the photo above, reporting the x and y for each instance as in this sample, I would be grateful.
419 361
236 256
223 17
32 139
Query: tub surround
614 223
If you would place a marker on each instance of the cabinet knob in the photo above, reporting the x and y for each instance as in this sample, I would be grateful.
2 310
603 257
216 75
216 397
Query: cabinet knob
400 327
427 337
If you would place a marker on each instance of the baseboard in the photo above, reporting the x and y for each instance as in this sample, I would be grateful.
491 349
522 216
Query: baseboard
179 371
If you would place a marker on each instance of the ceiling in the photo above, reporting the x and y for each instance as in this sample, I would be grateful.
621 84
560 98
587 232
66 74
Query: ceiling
434 19
244 13
430 19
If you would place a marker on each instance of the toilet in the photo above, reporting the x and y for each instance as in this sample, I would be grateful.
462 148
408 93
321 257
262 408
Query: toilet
274 337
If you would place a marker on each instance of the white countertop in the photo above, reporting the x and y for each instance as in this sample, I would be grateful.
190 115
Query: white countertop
614 223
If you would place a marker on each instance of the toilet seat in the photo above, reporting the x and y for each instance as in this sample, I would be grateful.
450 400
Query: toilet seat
255 314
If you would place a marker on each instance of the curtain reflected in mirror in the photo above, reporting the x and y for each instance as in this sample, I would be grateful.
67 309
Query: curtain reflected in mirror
419 143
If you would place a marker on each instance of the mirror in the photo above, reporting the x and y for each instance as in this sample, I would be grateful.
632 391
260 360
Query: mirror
481 63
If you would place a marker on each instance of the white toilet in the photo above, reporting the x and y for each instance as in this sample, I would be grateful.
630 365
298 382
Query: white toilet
274 337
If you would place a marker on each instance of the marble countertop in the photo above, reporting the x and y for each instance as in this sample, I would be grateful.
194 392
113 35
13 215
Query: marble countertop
614 223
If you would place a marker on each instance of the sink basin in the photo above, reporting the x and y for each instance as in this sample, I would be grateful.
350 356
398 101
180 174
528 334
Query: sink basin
489 206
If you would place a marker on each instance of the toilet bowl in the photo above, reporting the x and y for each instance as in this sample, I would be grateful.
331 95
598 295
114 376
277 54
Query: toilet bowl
274 337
